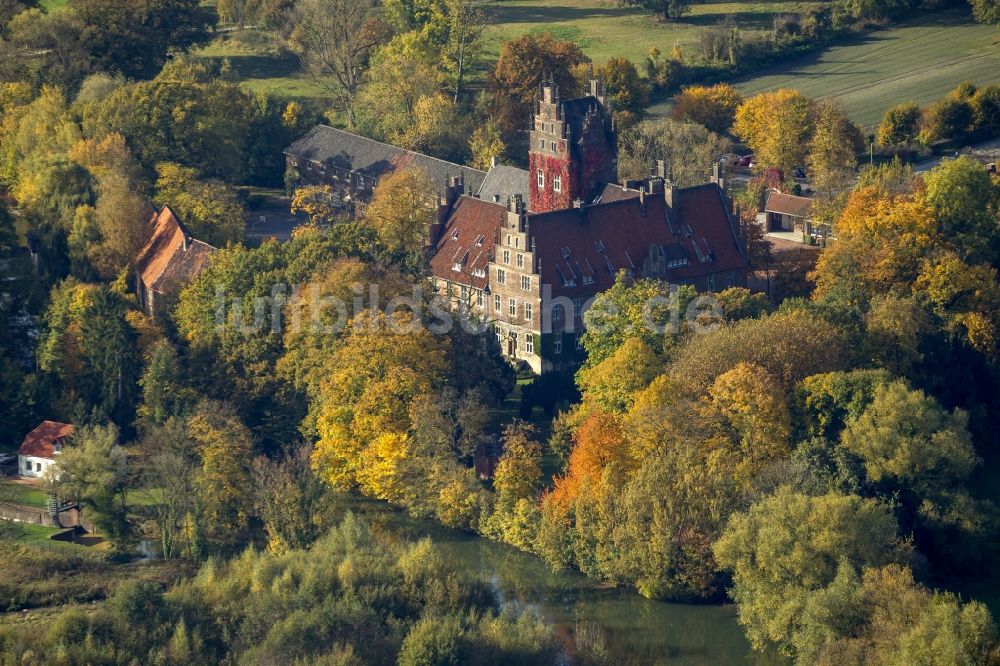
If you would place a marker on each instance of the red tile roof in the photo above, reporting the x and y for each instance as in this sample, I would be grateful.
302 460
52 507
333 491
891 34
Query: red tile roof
581 250
788 204
467 242
170 257
40 442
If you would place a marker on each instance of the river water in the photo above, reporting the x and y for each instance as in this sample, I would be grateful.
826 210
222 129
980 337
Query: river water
635 630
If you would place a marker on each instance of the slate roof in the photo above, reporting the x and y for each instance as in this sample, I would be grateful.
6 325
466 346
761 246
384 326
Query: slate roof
170 258
41 442
336 148
504 181
788 204
467 242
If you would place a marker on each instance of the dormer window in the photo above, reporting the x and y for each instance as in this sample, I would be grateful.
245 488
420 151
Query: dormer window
565 253
454 234
479 241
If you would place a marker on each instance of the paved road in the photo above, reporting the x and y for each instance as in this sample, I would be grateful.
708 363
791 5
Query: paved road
988 151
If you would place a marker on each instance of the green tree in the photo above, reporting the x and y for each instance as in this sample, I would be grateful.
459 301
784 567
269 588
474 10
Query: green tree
289 498
687 149
900 125
963 197
210 209
669 10
134 38
92 469
986 11
788 546
642 309
164 391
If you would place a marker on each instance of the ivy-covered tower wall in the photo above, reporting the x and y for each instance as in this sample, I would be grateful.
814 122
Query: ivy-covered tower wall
573 149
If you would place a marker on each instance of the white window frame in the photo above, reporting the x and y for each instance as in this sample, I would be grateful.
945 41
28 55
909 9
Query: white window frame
496 302
540 179
520 260
529 314
526 283
529 344
557 344
557 182
501 276
512 307
506 256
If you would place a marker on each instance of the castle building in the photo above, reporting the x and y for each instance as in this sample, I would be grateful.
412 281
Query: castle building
532 267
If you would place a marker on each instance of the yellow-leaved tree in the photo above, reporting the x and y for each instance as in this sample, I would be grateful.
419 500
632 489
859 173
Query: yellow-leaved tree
403 209
777 126
381 365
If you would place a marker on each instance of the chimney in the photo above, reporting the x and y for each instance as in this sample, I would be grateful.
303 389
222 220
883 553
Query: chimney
668 194
661 169
718 176
493 161
578 203
496 198
515 212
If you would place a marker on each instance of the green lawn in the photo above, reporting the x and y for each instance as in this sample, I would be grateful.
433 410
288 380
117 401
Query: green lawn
919 61
605 29
17 493
262 69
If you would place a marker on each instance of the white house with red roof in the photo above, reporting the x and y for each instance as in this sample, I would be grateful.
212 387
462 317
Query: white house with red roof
41 448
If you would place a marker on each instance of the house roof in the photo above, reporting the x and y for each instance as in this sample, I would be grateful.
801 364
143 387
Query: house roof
467 242
502 182
788 204
582 249
336 148
170 258
40 442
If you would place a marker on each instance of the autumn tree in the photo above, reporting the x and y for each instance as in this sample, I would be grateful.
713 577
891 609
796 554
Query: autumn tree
900 125
965 199
518 73
209 209
486 145
370 381
687 149
777 126
835 142
223 481
713 107
335 40
613 382
626 92
400 210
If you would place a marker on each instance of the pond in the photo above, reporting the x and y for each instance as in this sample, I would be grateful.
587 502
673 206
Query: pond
635 630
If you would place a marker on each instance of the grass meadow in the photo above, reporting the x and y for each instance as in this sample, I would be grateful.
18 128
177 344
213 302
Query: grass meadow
918 61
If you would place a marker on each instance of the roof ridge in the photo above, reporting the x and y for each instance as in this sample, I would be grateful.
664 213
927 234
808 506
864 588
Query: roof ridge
389 145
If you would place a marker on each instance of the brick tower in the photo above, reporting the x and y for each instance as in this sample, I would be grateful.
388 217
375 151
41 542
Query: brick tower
573 151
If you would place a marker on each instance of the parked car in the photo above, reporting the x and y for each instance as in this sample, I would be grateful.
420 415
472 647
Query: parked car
799 172
746 160
7 458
